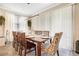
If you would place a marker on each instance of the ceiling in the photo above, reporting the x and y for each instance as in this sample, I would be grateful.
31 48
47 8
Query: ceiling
26 9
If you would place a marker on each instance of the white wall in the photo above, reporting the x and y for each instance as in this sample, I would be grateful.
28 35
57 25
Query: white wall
2 13
2 30
76 23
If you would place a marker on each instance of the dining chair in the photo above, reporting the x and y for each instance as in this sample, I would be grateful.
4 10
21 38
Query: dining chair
18 41
54 45
25 45
14 39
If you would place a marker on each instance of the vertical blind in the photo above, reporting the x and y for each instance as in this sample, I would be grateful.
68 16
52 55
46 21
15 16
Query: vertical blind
19 24
61 21
57 20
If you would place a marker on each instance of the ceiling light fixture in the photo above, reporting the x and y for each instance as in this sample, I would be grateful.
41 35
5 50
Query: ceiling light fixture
28 3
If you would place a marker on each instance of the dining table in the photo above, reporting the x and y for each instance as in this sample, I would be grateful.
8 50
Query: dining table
38 40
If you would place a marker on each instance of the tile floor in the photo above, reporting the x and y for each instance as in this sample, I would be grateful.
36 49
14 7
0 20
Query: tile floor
8 50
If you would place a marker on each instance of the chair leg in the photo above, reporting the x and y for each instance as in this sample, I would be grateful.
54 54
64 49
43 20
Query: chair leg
20 51
13 44
35 51
24 51
50 40
57 53
16 48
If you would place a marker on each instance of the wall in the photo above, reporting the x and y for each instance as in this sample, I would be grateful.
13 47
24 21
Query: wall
2 13
2 38
76 23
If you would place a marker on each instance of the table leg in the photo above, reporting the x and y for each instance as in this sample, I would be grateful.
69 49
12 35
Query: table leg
50 40
38 49
58 52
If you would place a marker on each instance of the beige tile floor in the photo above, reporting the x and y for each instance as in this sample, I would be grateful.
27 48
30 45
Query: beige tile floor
8 50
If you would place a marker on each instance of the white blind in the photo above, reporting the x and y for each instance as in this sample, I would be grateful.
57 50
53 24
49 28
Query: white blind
57 20
61 20
22 23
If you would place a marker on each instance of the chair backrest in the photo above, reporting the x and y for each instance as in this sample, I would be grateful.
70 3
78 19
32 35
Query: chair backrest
18 37
55 43
41 33
14 35
22 38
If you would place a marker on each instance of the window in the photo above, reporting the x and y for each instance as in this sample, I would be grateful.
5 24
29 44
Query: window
18 24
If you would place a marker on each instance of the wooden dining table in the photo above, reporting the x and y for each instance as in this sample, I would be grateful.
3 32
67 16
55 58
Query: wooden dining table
38 41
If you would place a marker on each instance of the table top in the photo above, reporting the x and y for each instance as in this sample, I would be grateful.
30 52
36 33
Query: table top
37 38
